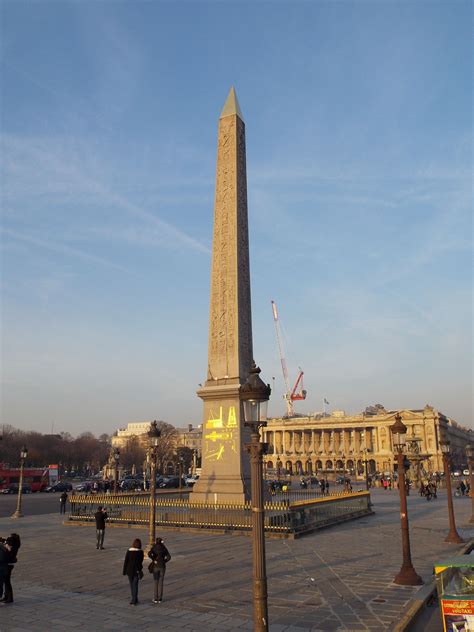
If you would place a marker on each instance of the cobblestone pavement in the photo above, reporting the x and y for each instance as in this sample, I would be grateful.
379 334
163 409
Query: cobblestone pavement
337 579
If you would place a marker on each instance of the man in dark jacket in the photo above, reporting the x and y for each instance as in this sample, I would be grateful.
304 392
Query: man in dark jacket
100 518
62 502
160 556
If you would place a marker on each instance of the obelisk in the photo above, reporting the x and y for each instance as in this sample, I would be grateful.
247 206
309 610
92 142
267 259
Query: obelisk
225 474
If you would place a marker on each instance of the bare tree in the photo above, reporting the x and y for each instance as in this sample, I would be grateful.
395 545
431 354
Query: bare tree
166 450
133 454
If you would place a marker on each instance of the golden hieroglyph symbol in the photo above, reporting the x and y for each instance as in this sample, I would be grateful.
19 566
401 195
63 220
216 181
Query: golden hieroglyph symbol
220 435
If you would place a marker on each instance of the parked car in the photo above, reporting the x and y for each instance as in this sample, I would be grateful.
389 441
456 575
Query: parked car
13 489
131 484
190 480
61 486
83 487
457 473
340 480
169 482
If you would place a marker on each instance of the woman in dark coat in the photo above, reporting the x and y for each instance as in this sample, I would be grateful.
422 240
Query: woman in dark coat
160 556
14 542
4 558
133 567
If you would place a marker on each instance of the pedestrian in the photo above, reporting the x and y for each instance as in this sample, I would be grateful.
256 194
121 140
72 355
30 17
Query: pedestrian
428 492
133 568
62 502
160 556
100 518
5 550
322 486
14 542
326 485
462 487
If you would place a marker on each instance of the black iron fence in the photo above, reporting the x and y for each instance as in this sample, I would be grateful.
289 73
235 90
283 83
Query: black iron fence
283 515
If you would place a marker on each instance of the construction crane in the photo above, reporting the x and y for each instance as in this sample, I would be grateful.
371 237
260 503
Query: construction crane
297 392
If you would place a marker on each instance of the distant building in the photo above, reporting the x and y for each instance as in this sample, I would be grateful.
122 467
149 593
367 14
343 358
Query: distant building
137 429
190 437
337 442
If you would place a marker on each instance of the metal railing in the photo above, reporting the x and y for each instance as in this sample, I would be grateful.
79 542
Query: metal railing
283 515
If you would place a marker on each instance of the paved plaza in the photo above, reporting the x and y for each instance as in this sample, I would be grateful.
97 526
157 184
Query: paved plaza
339 578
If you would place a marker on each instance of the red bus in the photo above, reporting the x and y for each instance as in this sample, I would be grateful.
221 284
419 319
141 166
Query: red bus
36 477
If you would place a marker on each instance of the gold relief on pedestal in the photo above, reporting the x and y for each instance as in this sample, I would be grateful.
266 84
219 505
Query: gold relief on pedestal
220 434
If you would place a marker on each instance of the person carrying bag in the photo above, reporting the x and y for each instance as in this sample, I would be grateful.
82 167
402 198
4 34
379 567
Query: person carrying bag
160 556
133 568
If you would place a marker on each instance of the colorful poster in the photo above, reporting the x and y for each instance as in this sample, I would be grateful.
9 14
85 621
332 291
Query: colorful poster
458 615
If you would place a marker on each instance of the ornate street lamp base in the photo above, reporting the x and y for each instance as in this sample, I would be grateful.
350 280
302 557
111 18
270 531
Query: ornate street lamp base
408 577
17 514
454 537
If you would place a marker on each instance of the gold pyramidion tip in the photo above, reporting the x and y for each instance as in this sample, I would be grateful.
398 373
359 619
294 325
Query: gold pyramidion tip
231 106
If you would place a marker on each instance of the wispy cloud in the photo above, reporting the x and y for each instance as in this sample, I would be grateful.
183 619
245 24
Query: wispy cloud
36 166
60 248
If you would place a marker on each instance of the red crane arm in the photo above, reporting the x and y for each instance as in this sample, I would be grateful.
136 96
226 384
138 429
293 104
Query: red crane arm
302 393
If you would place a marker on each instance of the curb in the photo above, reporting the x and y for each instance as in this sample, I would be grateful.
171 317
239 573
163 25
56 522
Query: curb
424 595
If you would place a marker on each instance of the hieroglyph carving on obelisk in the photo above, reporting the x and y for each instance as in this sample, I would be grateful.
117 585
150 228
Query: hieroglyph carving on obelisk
225 475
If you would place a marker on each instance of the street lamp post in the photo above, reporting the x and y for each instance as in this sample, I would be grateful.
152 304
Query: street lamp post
366 469
255 395
153 440
194 462
278 464
116 462
407 575
469 454
180 462
23 456
453 536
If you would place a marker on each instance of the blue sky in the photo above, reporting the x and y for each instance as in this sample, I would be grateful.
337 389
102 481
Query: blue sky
359 158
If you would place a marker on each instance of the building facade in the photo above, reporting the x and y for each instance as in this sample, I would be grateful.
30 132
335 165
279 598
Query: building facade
137 429
338 442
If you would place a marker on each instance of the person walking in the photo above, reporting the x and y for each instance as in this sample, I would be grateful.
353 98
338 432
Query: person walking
62 502
14 542
133 568
160 556
5 550
326 485
100 518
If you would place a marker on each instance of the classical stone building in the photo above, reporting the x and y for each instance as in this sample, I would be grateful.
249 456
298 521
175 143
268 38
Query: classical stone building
137 429
190 437
338 442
